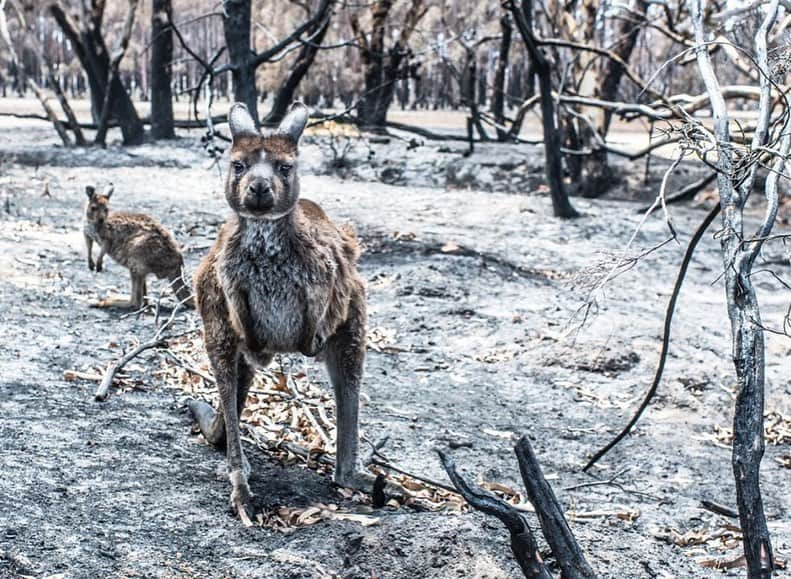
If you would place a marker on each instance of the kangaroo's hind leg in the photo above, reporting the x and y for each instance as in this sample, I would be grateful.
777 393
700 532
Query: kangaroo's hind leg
233 376
135 301
140 292
345 357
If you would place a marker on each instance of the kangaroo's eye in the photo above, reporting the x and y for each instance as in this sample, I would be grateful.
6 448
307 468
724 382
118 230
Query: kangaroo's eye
285 169
238 167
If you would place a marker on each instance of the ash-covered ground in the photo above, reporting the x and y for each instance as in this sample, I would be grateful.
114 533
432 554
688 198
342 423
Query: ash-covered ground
479 293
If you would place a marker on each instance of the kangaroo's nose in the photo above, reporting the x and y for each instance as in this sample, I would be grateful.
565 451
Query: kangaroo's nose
259 196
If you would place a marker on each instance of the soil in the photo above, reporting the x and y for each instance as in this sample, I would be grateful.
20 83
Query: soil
481 291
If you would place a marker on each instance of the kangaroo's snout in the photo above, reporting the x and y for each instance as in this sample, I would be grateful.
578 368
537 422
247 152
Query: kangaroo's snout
259 196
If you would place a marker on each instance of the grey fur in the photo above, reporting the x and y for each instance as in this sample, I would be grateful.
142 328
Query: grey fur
240 121
293 124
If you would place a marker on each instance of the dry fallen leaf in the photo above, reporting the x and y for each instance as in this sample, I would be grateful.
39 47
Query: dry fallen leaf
74 376
382 340
777 430
495 356
739 561
624 515
504 434
404 236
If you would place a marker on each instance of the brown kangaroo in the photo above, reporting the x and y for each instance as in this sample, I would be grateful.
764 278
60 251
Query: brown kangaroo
138 242
281 277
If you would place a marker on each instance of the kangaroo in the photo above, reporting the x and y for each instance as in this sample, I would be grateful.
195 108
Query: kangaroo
281 277
136 241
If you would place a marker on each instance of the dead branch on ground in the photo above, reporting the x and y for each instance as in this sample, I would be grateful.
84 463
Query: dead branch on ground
159 339
523 543
554 526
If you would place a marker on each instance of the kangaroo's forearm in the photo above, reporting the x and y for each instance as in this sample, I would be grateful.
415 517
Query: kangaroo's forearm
89 247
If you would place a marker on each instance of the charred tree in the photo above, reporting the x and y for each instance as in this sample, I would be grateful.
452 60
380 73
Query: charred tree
85 35
236 25
161 72
115 62
735 182
244 61
307 54
26 16
26 79
382 65
523 17
597 175
469 89
498 91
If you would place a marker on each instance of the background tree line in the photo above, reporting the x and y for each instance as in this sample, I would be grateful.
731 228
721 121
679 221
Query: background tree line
364 58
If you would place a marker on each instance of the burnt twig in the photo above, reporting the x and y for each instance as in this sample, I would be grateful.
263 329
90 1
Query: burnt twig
523 543
670 310
158 340
553 522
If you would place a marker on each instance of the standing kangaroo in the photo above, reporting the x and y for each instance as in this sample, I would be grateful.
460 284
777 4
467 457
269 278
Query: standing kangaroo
136 241
281 277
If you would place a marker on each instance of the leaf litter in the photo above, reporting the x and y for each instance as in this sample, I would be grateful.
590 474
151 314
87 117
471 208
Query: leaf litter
292 418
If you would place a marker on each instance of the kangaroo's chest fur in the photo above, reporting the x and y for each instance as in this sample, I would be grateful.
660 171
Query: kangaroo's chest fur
270 274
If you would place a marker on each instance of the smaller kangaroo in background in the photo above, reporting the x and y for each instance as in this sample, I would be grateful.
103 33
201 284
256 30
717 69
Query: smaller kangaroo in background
136 241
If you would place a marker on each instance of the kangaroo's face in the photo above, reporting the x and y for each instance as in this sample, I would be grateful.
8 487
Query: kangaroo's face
262 178
98 205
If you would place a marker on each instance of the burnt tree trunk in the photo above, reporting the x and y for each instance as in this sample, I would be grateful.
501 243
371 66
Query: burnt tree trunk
498 91
382 66
161 73
553 158
236 25
89 46
739 254
598 177
112 74
28 80
530 93
39 49
307 54
372 109
469 96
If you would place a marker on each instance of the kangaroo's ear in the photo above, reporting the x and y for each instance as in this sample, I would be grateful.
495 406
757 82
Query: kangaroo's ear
90 191
241 122
108 191
294 122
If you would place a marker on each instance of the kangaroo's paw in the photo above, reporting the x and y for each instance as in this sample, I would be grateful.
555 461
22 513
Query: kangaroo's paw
363 481
242 498
314 346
